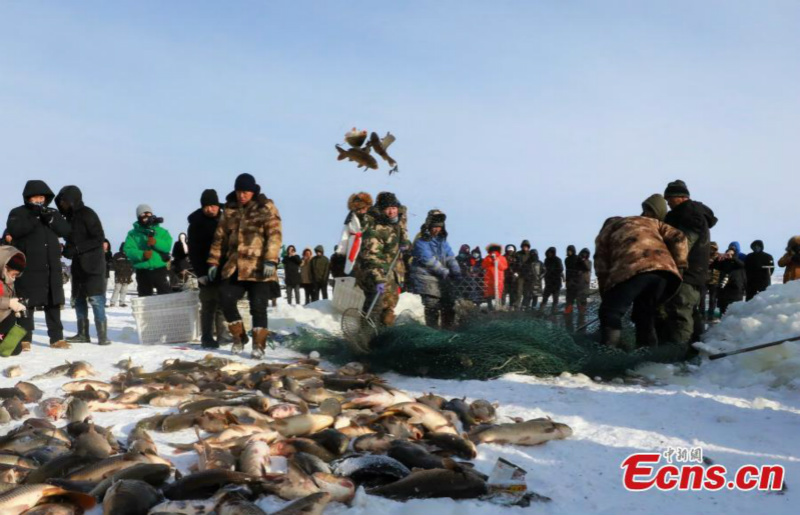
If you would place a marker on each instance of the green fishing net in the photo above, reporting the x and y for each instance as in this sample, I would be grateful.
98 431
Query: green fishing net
492 344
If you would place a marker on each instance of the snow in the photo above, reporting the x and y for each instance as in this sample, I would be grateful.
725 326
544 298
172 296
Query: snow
741 410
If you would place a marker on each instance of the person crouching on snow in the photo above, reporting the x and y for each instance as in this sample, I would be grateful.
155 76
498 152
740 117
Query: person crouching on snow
247 246
12 264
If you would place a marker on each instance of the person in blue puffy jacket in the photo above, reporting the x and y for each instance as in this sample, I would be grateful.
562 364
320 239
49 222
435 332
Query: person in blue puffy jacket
433 269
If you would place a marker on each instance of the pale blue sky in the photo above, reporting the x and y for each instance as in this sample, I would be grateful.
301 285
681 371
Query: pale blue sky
525 119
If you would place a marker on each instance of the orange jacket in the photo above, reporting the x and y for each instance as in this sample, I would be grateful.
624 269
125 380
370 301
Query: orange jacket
488 277
792 272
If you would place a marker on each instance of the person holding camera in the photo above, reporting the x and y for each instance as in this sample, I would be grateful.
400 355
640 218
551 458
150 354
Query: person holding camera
732 277
791 260
35 229
84 246
245 255
147 247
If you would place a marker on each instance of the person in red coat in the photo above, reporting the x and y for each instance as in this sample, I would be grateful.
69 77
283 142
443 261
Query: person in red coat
494 264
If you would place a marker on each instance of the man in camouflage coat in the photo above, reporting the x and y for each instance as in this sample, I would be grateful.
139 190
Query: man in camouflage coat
385 236
245 253
638 261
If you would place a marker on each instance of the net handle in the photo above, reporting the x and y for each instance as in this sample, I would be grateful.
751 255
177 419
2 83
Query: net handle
375 299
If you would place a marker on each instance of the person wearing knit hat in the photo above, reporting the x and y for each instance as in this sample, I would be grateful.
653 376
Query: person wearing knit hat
655 205
530 270
676 189
148 246
638 261
680 320
202 226
244 255
385 238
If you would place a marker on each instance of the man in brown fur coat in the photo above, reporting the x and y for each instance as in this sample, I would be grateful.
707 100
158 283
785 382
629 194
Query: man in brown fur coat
638 260
245 252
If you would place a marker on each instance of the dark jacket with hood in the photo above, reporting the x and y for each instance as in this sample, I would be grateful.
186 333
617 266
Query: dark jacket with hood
320 267
84 243
553 269
201 234
512 274
109 259
733 268
571 264
291 270
123 268
36 230
181 257
695 220
758 267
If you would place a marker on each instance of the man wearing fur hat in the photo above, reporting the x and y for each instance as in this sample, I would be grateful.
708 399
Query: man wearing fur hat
433 264
352 235
245 254
680 317
385 236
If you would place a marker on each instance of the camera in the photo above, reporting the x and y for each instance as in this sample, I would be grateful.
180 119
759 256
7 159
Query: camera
152 220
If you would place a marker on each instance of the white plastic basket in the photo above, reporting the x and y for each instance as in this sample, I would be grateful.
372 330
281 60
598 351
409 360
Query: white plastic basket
171 318
243 305
346 294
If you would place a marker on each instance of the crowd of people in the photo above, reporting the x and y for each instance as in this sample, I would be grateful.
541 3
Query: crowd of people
661 265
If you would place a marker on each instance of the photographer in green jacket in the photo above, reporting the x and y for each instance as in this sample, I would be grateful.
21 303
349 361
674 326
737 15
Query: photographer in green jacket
147 247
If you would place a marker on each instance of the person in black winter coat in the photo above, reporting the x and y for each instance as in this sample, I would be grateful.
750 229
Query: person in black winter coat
123 276
84 246
680 319
202 226
758 266
733 281
35 229
553 277
109 260
291 271
338 262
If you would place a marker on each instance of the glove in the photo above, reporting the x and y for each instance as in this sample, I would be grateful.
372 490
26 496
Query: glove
148 254
443 273
151 241
69 251
17 306
46 216
212 273
381 288
203 281
270 268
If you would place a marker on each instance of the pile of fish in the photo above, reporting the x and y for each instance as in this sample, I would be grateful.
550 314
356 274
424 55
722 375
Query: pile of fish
290 430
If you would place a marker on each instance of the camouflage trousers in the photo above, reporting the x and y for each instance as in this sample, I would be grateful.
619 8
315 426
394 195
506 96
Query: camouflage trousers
675 321
384 309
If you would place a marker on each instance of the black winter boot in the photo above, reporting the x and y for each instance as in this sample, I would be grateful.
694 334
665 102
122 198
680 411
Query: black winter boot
102 333
83 332
207 340
611 337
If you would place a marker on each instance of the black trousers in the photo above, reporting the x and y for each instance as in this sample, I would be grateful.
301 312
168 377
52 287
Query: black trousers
52 317
645 291
232 290
309 290
149 280
320 289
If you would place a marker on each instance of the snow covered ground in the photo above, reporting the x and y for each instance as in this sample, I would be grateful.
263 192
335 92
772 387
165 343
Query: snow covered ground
739 410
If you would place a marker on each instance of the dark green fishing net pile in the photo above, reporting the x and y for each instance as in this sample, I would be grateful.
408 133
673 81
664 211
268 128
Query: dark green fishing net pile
491 345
